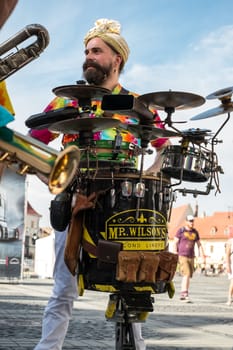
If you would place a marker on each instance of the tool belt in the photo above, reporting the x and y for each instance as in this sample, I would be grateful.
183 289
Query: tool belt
133 266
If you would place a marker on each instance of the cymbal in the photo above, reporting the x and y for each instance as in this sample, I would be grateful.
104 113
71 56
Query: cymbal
214 112
224 95
221 94
171 99
195 132
138 130
81 91
73 126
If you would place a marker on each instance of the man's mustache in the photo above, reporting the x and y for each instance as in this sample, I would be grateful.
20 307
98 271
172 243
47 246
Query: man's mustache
93 64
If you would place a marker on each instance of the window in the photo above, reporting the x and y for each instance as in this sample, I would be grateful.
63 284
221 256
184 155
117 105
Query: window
213 230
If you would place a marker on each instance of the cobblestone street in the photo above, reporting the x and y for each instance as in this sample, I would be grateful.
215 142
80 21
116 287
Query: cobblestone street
207 323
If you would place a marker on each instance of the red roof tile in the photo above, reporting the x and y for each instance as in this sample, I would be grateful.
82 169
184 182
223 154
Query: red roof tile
31 211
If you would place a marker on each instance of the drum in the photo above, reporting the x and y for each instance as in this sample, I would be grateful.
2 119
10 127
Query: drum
103 154
194 165
130 211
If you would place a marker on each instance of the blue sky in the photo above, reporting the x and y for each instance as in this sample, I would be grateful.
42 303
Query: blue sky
175 44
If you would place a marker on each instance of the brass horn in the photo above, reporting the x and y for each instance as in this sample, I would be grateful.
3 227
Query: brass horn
14 61
29 156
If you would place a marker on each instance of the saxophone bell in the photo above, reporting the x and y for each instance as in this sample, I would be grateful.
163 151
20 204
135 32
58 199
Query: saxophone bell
64 169
26 155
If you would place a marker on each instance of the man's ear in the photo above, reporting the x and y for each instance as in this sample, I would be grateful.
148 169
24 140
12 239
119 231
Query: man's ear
118 60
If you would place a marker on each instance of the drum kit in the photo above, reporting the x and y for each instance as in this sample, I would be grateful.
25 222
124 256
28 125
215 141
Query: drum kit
192 161
133 208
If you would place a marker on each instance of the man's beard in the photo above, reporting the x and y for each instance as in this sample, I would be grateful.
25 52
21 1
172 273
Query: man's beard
97 75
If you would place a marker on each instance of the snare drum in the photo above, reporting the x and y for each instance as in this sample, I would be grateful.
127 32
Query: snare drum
129 211
103 154
194 165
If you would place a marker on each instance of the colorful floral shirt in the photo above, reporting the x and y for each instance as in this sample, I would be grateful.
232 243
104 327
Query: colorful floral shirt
47 136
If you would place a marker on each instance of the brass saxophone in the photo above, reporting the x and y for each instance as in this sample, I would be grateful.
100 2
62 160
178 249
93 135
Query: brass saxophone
14 61
25 155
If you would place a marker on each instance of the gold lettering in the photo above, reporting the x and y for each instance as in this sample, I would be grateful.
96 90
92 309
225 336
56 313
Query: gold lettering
112 233
121 231
144 245
132 231
137 231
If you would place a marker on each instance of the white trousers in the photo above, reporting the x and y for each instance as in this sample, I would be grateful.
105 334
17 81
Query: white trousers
58 311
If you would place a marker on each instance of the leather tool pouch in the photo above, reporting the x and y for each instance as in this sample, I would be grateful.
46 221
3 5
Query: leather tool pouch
167 266
107 253
128 266
148 267
60 211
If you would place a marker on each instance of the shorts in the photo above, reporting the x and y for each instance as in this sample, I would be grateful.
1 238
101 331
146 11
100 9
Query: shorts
186 266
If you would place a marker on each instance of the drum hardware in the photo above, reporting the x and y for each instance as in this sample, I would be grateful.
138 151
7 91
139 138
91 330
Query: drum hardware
126 188
138 130
188 163
112 191
160 200
168 198
224 95
113 197
26 155
12 62
135 150
117 144
195 193
139 190
81 82
169 101
196 136
145 137
198 164
127 105
128 308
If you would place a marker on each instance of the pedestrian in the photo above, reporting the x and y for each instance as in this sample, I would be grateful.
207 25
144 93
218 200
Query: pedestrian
229 269
184 245
106 53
